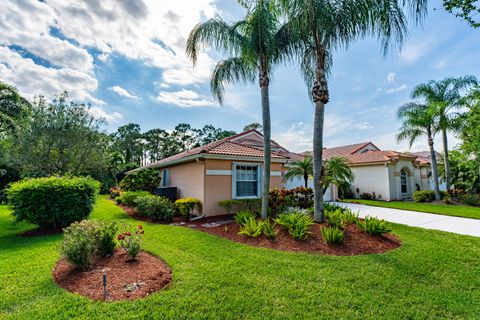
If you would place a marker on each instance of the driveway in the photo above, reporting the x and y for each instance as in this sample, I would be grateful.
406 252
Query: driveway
419 219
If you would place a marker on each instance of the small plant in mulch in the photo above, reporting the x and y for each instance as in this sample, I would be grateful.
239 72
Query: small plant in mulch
131 240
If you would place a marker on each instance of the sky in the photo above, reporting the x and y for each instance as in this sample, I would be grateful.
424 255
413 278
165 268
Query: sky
127 58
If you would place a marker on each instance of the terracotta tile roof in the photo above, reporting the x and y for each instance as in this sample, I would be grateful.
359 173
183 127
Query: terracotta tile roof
378 156
342 151
220 147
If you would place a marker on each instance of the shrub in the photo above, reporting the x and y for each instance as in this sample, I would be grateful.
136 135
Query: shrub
53 202
187 205
131 241
241 217
332 235
366 196
471 199
268 229
106 239
128 198
298 224
250 204
335 219
144 179
155 207
299 197
251 227
228 205
424 196
80 242
373 226
350 217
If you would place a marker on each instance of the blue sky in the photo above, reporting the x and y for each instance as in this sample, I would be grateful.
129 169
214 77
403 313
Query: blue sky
128 60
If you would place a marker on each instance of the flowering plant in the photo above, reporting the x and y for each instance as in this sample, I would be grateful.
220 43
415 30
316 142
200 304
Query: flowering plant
131 241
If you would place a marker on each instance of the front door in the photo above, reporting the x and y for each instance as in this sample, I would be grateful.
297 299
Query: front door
404 189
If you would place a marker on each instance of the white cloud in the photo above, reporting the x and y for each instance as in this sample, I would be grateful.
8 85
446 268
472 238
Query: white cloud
184 98
414 50
363 126
122 92
102 114
391 77
297 138
397 89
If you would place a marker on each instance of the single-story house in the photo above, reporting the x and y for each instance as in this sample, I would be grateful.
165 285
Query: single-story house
389 175
230 168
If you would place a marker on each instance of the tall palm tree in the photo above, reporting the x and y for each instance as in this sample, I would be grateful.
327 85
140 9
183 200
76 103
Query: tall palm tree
254 45
324 25
300 168
336 171
419 120
446 98
12 107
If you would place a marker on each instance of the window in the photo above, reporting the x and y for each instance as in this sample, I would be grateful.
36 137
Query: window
403 181
246 181
165 178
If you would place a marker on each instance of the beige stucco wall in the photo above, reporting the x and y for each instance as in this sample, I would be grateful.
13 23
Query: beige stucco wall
218 184
189 179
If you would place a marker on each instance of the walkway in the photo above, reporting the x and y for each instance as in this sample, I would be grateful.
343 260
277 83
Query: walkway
419 219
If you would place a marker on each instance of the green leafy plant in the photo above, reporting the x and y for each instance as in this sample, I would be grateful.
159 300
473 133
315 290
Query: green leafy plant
373 226
426 195
228 205
471 199
144 179
332 235
128 198
155 207
131 241
242 216
53 202
298 224
106 239
350 217
268 229
186 206
336 218
251 227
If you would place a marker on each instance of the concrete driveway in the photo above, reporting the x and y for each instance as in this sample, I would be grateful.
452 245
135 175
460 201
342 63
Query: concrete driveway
418 219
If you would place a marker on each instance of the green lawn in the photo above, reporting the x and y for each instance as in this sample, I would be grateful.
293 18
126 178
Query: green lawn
434 275
444 209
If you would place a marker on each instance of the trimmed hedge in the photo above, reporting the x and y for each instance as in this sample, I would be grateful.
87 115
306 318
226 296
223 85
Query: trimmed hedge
128 198
145 179
53 202
155 207
426 195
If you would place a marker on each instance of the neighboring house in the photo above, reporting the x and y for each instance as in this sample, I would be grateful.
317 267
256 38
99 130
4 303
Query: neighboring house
230 168
389 175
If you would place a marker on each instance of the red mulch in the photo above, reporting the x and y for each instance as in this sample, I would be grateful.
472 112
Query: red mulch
41 232
151 273
356 242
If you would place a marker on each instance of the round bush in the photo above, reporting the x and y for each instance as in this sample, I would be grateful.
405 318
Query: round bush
53 202
145 179
155 207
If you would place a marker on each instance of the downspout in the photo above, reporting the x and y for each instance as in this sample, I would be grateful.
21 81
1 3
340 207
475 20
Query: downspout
197 160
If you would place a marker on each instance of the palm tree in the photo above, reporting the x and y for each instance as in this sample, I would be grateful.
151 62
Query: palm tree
300 168
336 171
255 44
12 107
324 25
446 98
419 120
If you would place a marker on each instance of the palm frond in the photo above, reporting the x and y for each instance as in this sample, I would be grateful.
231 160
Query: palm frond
230 71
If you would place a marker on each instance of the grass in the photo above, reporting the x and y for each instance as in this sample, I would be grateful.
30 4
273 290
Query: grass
434 275
443 209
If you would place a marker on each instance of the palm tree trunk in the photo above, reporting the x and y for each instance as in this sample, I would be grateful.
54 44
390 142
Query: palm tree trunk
434 167
320 98
264 82
445 159
305 179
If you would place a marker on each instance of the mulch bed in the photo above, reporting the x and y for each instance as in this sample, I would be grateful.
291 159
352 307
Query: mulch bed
149 272
356 242
41 232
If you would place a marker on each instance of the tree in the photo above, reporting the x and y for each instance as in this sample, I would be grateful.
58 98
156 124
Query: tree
300 168
419 120
209 134
445 97
126 141
336 171
12 107
254 45
465 9
323 26
254 125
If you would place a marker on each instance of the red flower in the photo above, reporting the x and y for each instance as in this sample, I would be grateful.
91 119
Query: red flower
128 233
140 226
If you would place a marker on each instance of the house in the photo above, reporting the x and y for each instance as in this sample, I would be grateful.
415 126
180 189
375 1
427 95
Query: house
388 175
230 168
